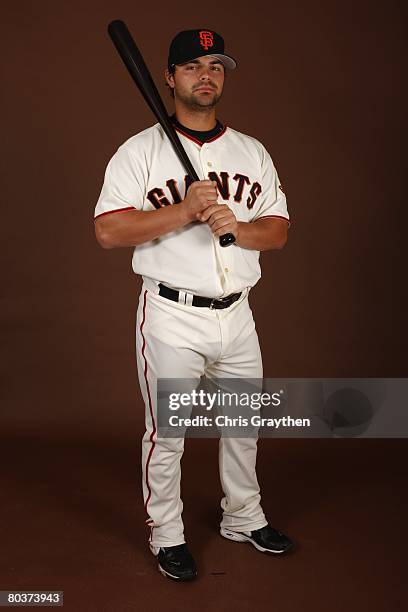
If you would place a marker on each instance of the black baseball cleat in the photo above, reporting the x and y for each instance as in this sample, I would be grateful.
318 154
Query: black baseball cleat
267 539
176 562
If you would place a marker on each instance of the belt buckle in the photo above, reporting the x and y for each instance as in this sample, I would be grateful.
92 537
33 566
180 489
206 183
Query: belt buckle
223 299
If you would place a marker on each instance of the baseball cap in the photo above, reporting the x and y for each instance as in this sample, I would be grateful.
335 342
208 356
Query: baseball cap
190 44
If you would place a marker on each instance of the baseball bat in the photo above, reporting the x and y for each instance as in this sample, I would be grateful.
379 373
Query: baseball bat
134 62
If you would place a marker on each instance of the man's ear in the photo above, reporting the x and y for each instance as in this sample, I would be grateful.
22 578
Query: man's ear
169 78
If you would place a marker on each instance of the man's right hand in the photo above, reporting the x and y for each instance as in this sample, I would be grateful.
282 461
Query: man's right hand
200 195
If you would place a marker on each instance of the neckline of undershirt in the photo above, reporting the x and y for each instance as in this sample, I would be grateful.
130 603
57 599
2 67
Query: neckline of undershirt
198 135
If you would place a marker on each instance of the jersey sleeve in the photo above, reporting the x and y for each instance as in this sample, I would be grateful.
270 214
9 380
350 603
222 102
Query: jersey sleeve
123 186
272 200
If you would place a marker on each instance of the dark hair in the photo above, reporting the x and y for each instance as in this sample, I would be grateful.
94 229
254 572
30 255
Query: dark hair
172 70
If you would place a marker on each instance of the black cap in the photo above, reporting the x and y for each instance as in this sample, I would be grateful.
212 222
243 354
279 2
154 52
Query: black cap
190 44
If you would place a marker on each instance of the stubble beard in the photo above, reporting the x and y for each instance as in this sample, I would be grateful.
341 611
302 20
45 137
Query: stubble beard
199 103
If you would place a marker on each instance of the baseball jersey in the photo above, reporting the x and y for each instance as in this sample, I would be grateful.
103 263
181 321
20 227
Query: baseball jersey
146 174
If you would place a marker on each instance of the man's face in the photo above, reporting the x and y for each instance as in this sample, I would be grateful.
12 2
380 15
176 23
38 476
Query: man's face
199 83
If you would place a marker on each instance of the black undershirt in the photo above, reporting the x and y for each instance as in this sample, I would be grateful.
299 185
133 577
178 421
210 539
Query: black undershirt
199 135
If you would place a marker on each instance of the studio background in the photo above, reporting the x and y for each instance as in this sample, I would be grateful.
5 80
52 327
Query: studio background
322 85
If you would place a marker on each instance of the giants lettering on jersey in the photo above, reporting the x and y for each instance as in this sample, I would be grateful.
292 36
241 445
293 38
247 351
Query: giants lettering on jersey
171 195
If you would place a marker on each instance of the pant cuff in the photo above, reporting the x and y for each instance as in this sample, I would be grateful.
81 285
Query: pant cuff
243 527
156 544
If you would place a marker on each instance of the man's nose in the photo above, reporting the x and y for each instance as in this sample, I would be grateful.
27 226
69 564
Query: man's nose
205 73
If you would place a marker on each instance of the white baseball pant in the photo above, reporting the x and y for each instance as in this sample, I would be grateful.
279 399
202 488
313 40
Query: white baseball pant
178 341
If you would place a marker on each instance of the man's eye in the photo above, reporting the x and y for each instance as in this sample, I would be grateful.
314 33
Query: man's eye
216 68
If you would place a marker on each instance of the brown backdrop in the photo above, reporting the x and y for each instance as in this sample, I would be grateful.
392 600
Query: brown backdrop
321 84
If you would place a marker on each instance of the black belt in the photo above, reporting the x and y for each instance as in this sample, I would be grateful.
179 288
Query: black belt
202 302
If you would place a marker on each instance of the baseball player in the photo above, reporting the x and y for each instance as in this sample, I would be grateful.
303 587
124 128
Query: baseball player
193 316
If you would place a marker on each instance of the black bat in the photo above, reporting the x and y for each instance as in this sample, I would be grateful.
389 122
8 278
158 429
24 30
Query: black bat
134 62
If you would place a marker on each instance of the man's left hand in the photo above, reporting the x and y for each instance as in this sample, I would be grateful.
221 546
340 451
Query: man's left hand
220 218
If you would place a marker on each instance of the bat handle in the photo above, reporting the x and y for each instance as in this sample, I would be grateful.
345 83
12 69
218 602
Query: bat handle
227 239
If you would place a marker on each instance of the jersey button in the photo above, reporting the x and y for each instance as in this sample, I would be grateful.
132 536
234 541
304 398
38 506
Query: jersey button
226 270
209 164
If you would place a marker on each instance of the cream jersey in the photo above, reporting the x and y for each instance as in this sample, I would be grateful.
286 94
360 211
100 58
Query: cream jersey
146 174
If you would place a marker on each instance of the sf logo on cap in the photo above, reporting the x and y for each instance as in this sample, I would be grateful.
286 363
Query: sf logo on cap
206 39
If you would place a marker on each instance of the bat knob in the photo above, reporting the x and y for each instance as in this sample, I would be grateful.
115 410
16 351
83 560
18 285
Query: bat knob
227 239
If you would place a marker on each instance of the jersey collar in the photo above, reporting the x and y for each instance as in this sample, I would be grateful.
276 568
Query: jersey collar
179 128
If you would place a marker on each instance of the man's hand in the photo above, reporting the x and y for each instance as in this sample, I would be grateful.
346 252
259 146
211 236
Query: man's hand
200 195
220 218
